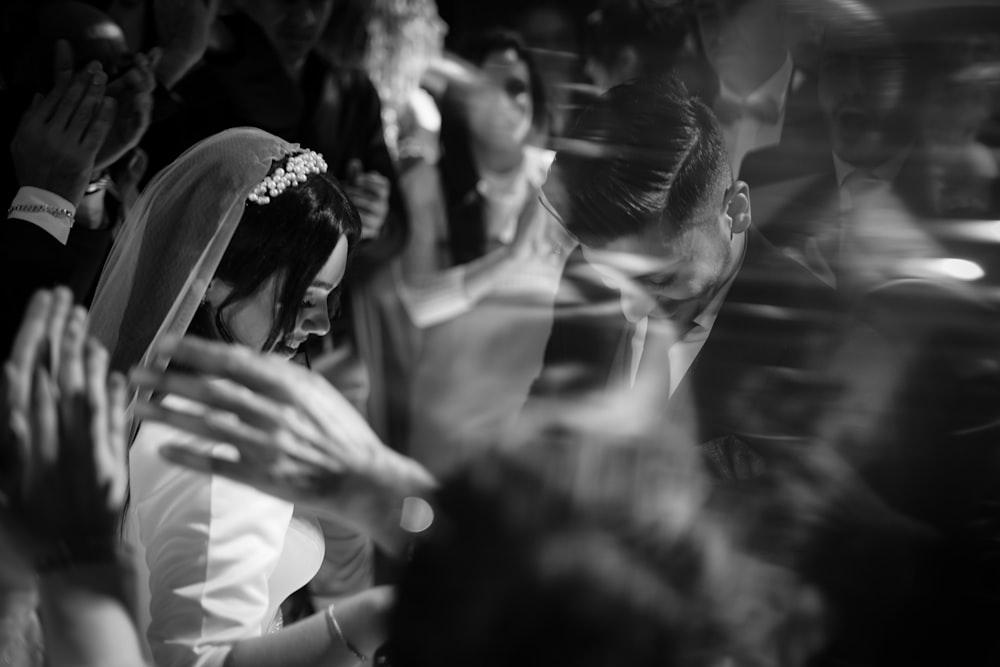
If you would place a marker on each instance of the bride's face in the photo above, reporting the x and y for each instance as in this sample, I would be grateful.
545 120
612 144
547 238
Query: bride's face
250 320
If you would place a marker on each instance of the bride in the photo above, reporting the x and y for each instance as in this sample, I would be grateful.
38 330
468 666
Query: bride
242 239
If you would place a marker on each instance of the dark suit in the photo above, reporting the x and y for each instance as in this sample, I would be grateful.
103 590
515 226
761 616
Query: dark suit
33 259
775 316
926 443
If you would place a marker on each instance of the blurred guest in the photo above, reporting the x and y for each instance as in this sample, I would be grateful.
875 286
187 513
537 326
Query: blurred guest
682 286
626 40
179 29
764 99
62 37
480 259
394 43
53 152
867 90
553 33
960 64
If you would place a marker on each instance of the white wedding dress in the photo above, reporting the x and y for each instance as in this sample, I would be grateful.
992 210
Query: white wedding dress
223 556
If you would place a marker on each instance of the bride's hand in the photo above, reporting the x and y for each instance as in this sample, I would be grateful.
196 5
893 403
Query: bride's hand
297 437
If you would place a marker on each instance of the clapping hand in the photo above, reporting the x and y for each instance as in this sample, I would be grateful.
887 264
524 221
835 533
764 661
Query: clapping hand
58 139
65 419
369 192
297 437
133 92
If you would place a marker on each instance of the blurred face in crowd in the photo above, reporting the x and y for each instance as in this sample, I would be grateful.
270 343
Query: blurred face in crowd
677 274
733 31
293 26
250 320
503 117
861 93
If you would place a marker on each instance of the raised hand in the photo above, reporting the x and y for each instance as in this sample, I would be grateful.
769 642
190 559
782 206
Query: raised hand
369 192
297 437
58 139
66 418
133 93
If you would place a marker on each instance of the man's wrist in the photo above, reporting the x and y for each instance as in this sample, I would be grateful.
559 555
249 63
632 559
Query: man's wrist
46 209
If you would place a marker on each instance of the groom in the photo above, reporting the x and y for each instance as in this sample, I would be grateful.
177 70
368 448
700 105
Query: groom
672 287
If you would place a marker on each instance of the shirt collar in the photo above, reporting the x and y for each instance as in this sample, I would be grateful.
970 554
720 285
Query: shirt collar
886 172
775 88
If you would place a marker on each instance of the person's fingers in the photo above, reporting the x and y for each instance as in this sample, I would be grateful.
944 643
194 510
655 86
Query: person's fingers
374 183
71 376
45 429
251 408
33 114
203 462
98 130
142 109
247 440
271 377
75 92
27 346
62 76
89 107
96 370
364 204
145 75
354 170
117 394
62 301
155 55
18 443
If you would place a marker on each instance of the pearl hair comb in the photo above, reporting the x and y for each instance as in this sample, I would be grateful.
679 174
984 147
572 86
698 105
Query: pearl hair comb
297 168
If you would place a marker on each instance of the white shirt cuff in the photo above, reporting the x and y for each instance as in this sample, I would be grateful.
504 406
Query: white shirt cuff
58 227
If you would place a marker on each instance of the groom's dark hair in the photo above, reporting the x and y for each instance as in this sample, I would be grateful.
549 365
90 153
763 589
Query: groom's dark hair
646 153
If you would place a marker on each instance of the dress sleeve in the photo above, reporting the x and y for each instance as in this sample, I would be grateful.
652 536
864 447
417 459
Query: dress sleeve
211 546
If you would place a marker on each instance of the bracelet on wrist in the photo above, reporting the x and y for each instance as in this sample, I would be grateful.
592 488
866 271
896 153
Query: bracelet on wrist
337 633
41 208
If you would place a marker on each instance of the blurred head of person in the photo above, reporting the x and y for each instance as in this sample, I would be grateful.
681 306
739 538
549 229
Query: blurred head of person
633 38
504 113
393 41
960 64
568 554
294 27
866 86
549 26
744 41
644 185
33 30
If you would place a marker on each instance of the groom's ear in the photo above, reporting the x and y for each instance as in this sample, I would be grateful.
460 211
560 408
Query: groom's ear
737 206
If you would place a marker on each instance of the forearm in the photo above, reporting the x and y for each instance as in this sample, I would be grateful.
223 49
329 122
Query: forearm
380 505
86 617
436 297
313 642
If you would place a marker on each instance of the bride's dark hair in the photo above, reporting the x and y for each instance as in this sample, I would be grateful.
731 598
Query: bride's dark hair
293 235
